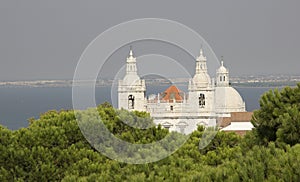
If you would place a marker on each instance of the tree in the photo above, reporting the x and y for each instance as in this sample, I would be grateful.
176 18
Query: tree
289 132
278 116
53 148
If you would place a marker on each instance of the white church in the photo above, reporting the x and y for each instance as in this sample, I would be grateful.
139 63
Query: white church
206 101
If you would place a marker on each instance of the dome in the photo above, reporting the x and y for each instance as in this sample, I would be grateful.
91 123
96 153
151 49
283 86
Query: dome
201 79
222 69
228 100
131 79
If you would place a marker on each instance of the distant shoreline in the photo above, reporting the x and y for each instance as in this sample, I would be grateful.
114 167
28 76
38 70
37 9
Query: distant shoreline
102 86
149 82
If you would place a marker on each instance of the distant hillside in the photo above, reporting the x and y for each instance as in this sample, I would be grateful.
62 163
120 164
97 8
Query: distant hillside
236 81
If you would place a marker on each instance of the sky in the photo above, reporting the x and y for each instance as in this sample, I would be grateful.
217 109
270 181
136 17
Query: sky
45 39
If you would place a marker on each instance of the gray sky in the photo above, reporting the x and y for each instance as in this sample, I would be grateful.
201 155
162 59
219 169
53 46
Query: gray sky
44 39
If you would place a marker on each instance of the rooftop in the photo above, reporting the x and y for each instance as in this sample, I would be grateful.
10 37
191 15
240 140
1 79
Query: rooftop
172 93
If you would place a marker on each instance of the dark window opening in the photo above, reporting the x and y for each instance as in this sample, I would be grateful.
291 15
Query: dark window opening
130 102
202 100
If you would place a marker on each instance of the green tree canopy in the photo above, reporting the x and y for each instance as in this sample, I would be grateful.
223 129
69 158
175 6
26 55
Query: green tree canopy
278 116
53 148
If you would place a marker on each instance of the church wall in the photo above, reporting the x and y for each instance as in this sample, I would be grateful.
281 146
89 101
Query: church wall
209 100
184 125
139 100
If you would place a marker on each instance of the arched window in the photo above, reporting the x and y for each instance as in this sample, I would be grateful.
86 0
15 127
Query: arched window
201 100
182 126
130 102
220 78
167 125
224 78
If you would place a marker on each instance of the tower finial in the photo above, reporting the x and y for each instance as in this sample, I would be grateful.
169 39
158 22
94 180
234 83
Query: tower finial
222 61
201 51
131 52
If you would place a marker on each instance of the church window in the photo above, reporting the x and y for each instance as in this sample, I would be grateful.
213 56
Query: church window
182 126
224 78
171 108
201 100
167 125
220 78
130 102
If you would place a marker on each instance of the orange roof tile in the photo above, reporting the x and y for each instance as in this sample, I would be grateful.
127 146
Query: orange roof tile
172 93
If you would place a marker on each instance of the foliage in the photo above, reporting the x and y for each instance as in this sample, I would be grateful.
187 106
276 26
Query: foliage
278 118
53 148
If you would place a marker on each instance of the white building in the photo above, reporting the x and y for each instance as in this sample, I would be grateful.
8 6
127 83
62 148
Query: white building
205 101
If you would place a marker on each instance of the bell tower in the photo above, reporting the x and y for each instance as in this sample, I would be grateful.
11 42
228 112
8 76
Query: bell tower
131 90
201 91
222 76
201 78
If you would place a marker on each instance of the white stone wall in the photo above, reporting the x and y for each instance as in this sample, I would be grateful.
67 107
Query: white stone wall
137 90
193 100
139 100
184 125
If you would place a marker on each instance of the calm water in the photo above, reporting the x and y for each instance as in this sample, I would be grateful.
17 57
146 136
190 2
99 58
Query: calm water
19 104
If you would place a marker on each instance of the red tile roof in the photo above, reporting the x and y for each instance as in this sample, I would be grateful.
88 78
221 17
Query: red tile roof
172 93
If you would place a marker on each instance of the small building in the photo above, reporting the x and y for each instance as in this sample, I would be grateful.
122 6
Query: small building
239 122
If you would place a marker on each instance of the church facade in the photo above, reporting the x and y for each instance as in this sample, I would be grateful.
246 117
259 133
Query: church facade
206 101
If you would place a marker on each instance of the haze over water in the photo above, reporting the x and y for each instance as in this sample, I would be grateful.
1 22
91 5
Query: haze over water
20 104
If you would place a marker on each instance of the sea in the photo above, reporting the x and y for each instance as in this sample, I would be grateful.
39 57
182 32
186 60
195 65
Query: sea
19 104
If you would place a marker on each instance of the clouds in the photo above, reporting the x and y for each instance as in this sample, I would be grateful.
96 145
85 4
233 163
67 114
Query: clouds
44 39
